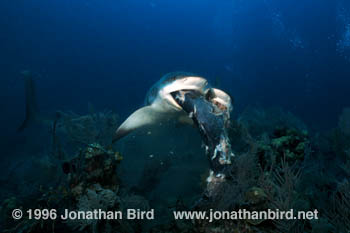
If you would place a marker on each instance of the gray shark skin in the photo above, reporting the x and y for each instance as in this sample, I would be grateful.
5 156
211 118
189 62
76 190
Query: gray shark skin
178 96
159 103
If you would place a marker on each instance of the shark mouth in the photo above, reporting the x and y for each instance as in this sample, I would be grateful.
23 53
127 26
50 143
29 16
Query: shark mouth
211 120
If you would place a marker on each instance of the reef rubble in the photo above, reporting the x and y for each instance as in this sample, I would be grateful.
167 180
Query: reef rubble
274 168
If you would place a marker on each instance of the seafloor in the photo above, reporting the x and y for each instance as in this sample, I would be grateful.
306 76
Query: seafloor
280 163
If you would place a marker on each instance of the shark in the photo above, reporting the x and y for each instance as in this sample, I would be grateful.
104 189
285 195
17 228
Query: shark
160 105
180 96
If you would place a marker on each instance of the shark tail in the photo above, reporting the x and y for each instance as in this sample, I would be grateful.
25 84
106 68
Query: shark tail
31 110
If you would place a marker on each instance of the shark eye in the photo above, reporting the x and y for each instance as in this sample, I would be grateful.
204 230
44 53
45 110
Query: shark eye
209 94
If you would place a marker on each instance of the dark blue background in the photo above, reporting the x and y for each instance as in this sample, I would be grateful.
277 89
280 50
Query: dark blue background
108 53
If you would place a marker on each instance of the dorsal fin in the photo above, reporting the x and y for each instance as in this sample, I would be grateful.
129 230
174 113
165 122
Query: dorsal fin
31 111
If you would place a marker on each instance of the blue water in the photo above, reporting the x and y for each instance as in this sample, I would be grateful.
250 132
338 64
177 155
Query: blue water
106 54
110 52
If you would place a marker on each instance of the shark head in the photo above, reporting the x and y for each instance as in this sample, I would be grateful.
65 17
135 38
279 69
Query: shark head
159 103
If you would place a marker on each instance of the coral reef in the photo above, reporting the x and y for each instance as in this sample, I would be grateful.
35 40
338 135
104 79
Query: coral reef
94 198
96 127
284 142
91 183
344 121
260 120
279 164
339 214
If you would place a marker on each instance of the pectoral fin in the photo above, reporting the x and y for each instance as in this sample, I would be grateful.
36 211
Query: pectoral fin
140 118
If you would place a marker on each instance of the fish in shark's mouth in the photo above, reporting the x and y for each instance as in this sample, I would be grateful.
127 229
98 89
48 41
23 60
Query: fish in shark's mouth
190 96
211 120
